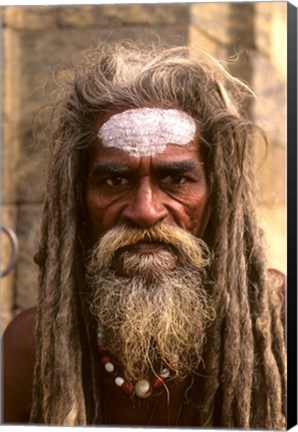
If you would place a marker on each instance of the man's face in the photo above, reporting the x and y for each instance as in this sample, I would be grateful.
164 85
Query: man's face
136 190
147 203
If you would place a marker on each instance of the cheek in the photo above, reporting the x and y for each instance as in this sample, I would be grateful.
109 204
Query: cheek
101 215
197 212
198 219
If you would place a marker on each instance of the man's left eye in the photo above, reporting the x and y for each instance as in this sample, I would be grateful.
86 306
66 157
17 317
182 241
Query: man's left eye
116 181
174 180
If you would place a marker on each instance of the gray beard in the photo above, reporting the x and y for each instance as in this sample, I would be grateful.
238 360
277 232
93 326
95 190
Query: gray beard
154 313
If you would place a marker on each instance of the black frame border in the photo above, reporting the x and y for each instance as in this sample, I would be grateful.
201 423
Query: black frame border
292 216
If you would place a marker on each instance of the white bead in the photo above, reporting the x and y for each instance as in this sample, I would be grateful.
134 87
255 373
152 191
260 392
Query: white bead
119 381
109 367
165 373
143 389
100 336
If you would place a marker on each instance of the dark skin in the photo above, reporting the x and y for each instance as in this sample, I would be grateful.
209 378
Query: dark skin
170 187
18 367
119 409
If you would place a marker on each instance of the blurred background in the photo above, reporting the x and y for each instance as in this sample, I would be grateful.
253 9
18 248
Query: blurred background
38 41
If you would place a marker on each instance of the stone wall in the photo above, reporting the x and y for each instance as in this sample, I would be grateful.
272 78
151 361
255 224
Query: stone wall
40 40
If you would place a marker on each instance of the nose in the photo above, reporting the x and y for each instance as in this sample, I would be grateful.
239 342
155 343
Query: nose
145 207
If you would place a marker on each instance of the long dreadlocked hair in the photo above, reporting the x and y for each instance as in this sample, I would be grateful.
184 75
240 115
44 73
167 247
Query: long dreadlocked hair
244 357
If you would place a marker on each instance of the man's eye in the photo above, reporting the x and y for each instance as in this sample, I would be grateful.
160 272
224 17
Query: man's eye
116 181
174 180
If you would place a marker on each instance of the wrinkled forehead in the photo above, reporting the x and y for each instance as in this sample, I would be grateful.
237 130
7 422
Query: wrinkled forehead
147 131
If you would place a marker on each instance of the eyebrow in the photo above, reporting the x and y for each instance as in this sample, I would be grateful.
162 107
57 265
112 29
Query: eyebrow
160 167
111 168
179 166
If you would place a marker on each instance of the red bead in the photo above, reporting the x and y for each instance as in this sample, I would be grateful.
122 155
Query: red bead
105 359
127 388
157 382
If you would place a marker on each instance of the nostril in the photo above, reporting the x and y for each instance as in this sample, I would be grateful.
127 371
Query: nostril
144 217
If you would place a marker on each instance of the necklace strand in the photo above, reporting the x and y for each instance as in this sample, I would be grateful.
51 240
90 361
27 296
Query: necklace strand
143 388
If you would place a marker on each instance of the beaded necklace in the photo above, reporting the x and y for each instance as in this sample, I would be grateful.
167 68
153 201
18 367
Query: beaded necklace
143 388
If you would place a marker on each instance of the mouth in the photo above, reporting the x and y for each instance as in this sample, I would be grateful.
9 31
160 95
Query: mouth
144 247
148 247
145 258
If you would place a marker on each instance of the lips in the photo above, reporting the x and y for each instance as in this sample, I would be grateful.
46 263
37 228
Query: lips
147 247
143 247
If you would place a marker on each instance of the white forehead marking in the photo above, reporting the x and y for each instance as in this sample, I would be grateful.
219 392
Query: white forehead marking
147 131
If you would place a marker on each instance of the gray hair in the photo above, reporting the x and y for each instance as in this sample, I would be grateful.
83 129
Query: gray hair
246 368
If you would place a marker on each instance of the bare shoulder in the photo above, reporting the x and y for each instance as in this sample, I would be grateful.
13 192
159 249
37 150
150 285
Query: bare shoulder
18 366
22 328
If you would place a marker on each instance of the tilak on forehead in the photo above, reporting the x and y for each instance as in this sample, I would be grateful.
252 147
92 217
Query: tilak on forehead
147 131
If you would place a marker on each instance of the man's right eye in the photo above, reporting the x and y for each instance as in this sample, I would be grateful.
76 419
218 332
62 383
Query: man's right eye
116 181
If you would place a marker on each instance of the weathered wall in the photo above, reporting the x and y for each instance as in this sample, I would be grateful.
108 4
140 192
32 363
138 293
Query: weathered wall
38 40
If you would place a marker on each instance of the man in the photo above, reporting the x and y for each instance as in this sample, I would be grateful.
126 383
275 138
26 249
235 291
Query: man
156 306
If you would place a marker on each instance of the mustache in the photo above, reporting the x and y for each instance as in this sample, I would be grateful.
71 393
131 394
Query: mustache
189 249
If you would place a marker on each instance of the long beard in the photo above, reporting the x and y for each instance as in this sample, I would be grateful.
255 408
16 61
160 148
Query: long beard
153 307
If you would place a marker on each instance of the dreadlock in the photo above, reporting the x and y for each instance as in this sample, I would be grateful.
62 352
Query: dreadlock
244 356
